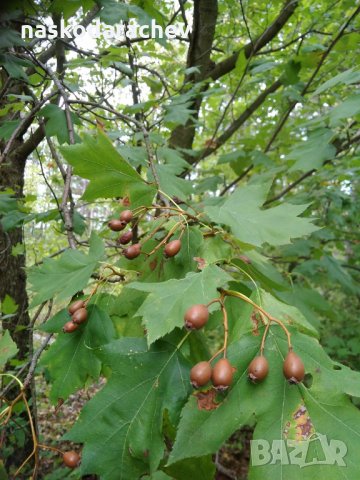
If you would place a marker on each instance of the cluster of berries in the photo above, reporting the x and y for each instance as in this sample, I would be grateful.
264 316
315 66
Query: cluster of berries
78 314
171 249
221 375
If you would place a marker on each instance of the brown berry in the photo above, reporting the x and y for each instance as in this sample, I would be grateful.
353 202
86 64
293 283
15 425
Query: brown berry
196 317
172 248
70 327
126 216
75 306
80 316
71 459
222 374
133 251
294 370
116 225
126 237
200 374
258 369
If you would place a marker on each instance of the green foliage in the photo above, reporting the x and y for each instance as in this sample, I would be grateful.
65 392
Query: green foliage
245 150
316 150
72 359
322 407
66 275
164 308
8 348
143 385
242 212
56 122
109 174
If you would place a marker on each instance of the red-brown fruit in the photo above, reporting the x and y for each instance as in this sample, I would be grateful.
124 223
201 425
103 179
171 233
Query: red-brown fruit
200 374
222 374
75 306
294 370
116 225
80 316
133 251
258 369
71 459
70 327
172 248
196 316
126 216
126 237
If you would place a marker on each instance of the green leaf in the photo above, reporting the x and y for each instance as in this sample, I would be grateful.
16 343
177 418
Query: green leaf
313 153
164 308
242 212
9 38
71 360
168 173
113 12
241 63
8 348
127 414
347 109
178 113
347 78
8 305
214 249
65 276
281 412
14 66
171 183
8 128
70 8
291 73
125 69
56 124
202 468
288 314
109 174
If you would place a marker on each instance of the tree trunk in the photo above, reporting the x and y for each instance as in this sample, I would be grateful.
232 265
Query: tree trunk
13 283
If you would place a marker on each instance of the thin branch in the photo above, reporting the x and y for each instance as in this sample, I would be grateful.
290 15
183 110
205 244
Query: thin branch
122 116
307 174
225 66
35 359
292 106
24 125
311 79
63 207
246 23
238 122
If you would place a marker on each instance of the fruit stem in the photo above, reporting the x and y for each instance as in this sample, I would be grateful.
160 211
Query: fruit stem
47 447
226 326
262 346
164 240
34 438
232 293
152 233
216 300
216 354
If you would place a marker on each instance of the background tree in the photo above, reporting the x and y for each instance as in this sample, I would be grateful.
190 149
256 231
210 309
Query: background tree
236 129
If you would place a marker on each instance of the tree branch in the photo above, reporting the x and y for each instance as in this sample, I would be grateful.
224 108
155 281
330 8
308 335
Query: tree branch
251 48
238 122
307 174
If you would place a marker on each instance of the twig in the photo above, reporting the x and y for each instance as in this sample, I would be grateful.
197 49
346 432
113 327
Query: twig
35 359
63 207
23 125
